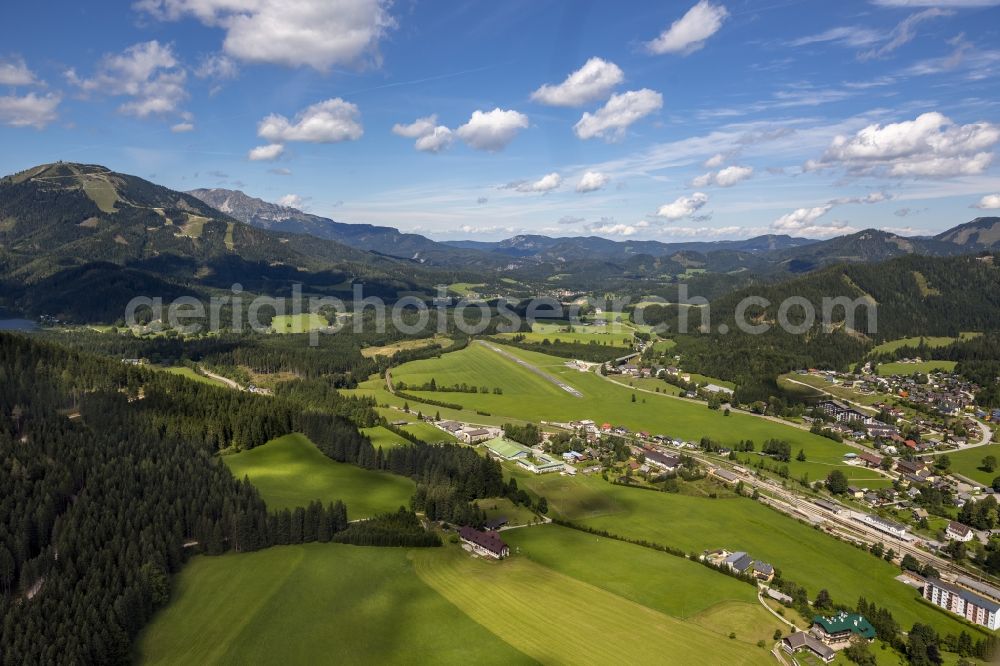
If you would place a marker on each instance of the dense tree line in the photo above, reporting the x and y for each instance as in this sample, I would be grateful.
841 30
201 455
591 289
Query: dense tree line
593 352
402 528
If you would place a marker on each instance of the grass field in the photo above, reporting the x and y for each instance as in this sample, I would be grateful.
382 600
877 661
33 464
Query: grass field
187 372
930 341
647 383
301 323
968 462
515 514
290 472
317 603
464 288
428 433
887 369
528 396
384 437
804 554
404 345
554 618
669 584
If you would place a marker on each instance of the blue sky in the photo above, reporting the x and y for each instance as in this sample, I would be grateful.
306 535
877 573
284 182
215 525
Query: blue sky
661 120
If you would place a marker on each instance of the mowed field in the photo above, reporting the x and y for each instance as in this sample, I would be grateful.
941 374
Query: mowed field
930 341
557 619
529 396
301 323
694 524
315 604
887 369
187 372
611 335
290 472
969 462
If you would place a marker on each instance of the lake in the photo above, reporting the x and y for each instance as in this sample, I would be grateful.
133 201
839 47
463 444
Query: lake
17 325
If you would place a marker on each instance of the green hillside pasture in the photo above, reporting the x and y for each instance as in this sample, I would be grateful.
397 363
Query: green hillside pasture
663 582
528 396
968 462
694 524
300 323
930 341
887 369
184 371
554 618
384 437
290 472
312 604
515 514
426 432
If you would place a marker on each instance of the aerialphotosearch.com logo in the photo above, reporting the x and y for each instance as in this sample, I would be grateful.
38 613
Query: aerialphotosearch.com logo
410 315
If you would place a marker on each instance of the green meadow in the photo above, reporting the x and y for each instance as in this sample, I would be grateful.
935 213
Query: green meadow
930 341
315 603
383 437
291 472
184 371
969 462
300 323
887 369
555 618
694 524
529 396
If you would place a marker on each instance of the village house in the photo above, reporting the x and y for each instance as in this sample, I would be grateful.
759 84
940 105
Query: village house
870 459
487 544
959 532
842 629
802 640
723 475
474 435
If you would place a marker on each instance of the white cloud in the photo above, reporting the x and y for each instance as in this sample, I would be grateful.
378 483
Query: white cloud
688 33
610 121
266 153
903 33
683 206
724 177
849 35
731 175
31 110
546 183
216 66
280 171
180 128
870 198
418 128
929 146
988 202
291 201
800 219
149 73
330 121
714 161
492 130
439 139
430 137
617 229
592 82
316 33
592 181
14 72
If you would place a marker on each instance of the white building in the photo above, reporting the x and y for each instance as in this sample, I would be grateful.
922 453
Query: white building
964 602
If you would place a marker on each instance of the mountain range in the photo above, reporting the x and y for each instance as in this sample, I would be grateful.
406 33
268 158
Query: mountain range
79 239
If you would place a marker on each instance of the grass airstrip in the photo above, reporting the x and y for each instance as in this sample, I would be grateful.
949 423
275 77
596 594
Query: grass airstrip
291 472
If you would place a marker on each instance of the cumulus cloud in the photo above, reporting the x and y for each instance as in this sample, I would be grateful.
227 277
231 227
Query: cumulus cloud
14 72
546 183
291 201
800 218
988 202
272 151
330 121
492 130
724 177
714 161
592 82
430 137
592 181
688 33
29 110
618 229
683 206
148 73
315 33
611 120
870 198
929 146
